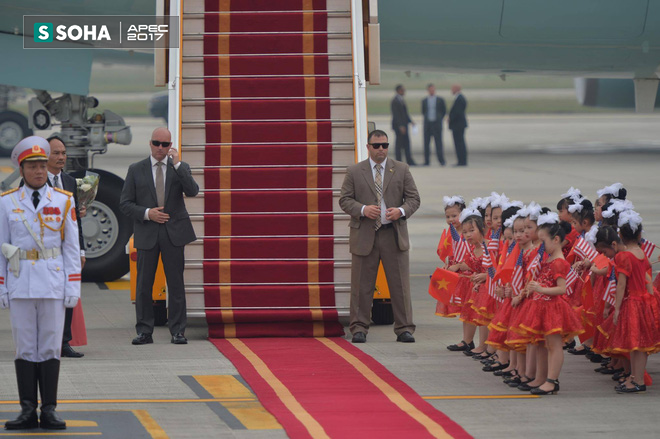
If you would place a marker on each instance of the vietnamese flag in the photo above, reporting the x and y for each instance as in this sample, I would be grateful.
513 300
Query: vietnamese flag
505 272
445 247
601 262
443 283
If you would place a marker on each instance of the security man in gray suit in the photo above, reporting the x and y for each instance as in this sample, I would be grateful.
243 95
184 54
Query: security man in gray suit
380 195
153 197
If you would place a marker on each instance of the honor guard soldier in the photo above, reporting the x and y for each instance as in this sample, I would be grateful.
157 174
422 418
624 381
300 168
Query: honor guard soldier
39 278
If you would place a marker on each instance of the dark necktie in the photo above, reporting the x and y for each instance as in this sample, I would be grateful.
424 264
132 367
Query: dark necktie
56 181
35 199
379 191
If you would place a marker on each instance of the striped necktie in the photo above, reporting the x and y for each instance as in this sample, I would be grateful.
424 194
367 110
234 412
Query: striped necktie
379 191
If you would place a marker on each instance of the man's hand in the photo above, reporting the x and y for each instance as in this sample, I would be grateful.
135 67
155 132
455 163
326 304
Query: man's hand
402 130
174 155
82 262
371 211
157 215
4 301
82 211
70 301
392 214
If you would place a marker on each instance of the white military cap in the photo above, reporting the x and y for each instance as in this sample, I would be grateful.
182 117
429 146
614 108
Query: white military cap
30 149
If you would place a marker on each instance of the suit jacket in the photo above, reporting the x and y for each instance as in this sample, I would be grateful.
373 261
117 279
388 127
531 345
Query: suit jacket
359 189
457 119
69 184
139 194
440 109
400 116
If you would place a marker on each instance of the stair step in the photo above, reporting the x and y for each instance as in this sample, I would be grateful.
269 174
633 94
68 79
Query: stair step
258 5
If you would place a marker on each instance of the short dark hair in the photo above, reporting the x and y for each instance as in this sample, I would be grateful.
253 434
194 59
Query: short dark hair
379 133
430 84
607 235
56 137
398 87
560 229
587 212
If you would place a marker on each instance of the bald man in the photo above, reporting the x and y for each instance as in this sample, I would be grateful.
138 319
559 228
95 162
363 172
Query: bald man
153 197
458 124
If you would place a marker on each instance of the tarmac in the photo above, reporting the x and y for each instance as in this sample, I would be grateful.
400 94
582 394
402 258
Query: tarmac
158 390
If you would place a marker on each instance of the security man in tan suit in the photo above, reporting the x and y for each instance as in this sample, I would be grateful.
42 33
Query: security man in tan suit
380 195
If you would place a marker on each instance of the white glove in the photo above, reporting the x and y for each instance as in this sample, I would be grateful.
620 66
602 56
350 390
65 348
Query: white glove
70 301
4 301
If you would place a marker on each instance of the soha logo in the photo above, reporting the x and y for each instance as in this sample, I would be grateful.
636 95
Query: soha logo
43 33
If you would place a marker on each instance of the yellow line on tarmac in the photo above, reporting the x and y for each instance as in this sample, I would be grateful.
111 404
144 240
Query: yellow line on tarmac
480 397
6 169
150 424
119 285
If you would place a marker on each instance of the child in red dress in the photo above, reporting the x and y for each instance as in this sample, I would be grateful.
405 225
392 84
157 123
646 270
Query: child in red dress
548 316
453 207
632 327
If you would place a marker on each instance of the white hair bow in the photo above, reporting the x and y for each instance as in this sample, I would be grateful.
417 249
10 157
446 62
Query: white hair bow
577 207
617 206
573 193
469 211
497 200
450 201
590 236
516 203
547 218
533 210
630 217
475 203
610 190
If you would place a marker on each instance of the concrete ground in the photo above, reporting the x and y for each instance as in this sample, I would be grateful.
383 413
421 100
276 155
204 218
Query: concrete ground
527 158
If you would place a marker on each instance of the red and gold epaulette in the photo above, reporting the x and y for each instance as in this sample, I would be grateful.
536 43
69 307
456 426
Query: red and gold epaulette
67 193
10 191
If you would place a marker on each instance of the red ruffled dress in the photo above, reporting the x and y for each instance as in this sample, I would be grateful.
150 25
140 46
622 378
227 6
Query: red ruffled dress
544 314
601 297
636 329
486 305
468 313
514 340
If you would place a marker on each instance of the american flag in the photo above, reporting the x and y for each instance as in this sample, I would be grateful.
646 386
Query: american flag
535 265
490 269
494 243
610 291
647 247
571 277
517 279
460 246
585 249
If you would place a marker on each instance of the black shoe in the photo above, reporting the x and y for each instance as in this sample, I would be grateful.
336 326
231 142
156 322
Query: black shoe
26 377
538 391
569 345
584 351
143 339
506 374
482 357
457 165
49 374
471 353
638 388
178 338
495 367
68 351
461 347
524 385
405 337
620 376
513 381
359 337
596 358
611 371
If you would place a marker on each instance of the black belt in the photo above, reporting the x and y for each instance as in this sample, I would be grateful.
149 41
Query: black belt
385 226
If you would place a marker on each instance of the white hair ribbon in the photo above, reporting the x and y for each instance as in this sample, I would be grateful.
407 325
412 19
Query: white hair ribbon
630 217
533 210
547 218
590 236
610 190
469 211
617 206
450 201
573 193
575 207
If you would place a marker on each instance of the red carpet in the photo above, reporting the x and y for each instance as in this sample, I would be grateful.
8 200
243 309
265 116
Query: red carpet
268 170
319 388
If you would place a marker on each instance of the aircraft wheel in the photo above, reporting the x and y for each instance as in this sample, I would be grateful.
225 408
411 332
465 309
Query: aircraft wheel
106 232
13 127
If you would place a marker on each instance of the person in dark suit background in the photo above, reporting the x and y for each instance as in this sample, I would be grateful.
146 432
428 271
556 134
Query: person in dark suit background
434 110
58 178
380 196
458 124
400 121
153 197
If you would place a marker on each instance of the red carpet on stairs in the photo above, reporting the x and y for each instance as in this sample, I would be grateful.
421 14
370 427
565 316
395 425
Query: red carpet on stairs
268 170
319 388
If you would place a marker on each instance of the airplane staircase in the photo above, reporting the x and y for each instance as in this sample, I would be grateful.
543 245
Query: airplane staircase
267 125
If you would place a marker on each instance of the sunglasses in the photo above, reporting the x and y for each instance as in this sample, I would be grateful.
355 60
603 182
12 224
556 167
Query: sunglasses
159 143
380 145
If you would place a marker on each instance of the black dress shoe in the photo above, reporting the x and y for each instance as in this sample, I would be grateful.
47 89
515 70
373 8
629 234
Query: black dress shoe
584 351
143 339
359 337
637 388
569 345
538 391
405 337
457 165
68 351
178 338
461 347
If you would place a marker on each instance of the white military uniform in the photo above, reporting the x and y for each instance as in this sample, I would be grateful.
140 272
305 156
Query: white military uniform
47 275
